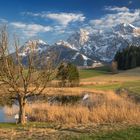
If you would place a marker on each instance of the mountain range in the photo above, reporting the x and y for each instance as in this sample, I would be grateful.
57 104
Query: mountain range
87 48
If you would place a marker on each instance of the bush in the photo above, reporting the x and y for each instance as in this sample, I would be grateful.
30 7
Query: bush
68 75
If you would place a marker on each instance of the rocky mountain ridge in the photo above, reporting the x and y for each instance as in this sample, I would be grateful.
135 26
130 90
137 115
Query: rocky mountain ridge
85 48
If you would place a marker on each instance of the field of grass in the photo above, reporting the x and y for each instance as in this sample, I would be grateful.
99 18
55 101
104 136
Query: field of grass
88 73
46 131
129 79
133 86
56 121
132 133
122 76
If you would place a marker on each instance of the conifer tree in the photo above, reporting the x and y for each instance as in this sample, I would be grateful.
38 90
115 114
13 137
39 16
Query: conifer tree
128 58
68 74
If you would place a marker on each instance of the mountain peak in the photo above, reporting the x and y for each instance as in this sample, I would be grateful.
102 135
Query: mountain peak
84 36
41 42
83 32
35 41
61 42
36 45
128 24
124 28
66 44
79 38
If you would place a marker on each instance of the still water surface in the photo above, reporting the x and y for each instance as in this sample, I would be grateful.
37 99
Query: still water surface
4 117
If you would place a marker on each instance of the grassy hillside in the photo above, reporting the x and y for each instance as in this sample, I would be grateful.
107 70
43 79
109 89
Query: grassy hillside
92 72
102 79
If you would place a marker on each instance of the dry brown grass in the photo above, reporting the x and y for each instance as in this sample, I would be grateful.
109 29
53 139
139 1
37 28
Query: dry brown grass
110 109
73 91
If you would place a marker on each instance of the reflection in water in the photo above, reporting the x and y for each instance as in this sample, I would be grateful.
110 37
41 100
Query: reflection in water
4 117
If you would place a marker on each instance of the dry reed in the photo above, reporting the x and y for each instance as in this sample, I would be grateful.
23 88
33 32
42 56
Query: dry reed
108 108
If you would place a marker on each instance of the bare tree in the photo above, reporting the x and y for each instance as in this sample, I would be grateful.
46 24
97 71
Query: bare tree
19 80
114 67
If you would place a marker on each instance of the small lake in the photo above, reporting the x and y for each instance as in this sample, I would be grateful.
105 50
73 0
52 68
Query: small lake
4 117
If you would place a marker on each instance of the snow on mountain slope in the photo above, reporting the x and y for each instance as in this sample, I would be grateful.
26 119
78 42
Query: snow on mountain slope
85 48
67 53
84 58
36 46
104 45
79 39
75 56
66 44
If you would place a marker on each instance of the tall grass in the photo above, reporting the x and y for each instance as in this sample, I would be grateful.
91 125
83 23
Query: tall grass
104 108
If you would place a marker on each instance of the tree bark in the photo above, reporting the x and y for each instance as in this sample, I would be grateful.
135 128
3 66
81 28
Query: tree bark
22 103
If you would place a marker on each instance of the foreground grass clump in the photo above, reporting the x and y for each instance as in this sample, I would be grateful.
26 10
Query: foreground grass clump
104 108
132 133
52 131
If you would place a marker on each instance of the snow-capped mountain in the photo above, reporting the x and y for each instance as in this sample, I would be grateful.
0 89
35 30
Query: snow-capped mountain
104 45
36 46
124 28
79 39
63 52
67 52
86 48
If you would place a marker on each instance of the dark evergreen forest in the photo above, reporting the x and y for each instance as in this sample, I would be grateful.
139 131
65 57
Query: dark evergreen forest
128 58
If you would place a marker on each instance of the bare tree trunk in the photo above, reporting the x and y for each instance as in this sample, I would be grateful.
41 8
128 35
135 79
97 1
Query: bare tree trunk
19 79
22 103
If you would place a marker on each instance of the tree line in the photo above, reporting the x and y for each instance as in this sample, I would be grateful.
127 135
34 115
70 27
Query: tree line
128 58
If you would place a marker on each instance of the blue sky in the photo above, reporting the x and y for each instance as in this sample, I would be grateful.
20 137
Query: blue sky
52 20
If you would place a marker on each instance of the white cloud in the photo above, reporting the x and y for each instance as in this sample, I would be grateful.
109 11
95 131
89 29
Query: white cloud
121 15
116 9
18 25
3 21
62 18
66 18
31 30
